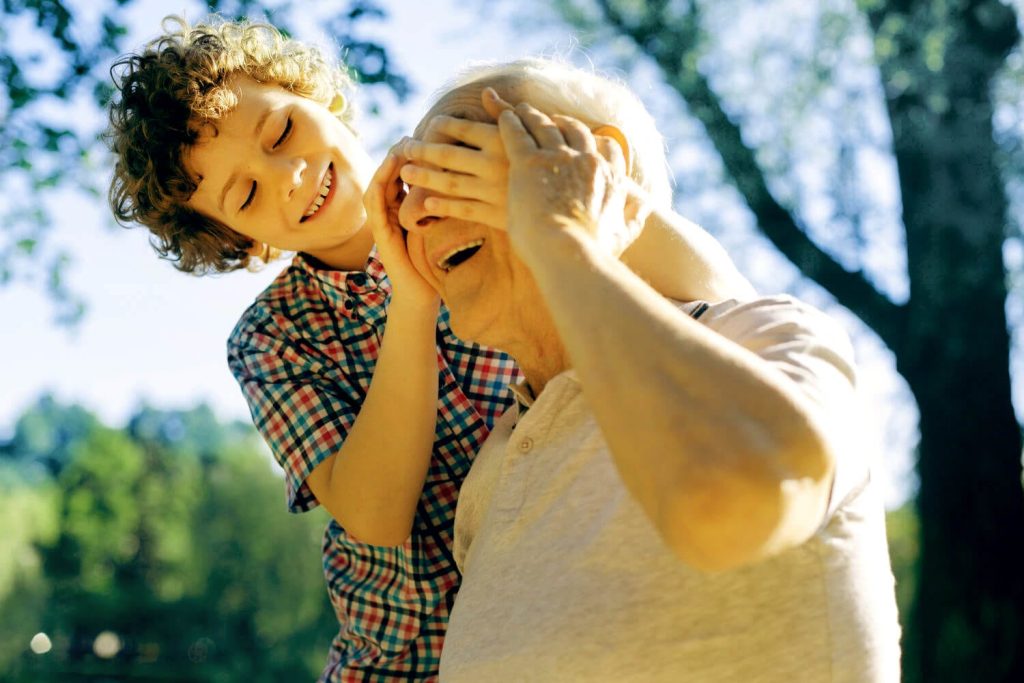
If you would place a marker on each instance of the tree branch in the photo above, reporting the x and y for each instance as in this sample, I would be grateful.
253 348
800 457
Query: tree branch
677 61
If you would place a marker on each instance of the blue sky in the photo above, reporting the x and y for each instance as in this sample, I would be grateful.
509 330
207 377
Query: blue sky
155 335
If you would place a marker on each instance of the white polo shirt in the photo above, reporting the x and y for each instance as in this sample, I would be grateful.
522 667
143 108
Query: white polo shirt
565 578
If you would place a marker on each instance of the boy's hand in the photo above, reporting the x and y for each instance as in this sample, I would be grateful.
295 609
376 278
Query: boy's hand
464 167
382 199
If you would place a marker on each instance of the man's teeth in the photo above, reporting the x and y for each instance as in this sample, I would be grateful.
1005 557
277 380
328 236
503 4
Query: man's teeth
319 201
443 262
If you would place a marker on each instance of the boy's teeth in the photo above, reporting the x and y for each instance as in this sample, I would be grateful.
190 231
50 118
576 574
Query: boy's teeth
324 190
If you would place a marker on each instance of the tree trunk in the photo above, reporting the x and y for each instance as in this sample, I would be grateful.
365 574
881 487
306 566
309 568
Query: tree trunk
968 620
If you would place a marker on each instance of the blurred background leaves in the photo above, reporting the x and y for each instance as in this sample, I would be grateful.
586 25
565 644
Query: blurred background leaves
169 537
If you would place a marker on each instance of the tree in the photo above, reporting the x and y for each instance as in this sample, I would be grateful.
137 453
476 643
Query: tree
55 57
935 64
169 540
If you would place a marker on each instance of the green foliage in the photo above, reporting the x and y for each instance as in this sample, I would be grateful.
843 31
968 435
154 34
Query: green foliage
28 515
171 535
43 437
54 69
903 530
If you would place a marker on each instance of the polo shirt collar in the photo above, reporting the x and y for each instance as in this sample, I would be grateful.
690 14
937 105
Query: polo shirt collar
523 393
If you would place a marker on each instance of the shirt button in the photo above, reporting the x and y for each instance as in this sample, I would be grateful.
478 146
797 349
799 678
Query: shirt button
525 445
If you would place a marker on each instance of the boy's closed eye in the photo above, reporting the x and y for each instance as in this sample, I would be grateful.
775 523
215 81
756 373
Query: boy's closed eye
288 126
284 134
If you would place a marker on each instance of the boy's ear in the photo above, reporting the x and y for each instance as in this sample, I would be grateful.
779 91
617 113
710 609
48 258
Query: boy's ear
613 132
337 104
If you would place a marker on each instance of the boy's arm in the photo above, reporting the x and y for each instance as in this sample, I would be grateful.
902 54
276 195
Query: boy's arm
372 485
681 260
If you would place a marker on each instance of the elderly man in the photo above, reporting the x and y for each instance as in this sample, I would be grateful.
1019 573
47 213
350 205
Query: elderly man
680 493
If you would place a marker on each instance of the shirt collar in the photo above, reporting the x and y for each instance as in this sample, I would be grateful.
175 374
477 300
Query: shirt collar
523 394
348 288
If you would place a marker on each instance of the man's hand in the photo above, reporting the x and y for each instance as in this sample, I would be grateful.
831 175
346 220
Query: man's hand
559 180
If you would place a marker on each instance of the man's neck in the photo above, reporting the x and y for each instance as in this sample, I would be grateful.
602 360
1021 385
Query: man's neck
543 362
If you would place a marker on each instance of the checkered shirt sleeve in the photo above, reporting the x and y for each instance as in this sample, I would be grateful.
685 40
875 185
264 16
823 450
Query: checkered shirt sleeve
302 408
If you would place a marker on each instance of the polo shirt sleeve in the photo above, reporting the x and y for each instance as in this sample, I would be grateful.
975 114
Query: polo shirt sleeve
812 350
302 405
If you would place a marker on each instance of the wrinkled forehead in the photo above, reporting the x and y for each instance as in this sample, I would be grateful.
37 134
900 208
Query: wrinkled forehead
463 102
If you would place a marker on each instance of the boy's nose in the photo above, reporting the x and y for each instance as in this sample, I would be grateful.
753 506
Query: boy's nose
412 214
287 173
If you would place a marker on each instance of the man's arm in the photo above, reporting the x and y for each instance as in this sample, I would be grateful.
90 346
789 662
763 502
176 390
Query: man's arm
727 458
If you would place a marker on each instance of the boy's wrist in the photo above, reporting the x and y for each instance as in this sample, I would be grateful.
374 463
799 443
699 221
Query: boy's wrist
413 309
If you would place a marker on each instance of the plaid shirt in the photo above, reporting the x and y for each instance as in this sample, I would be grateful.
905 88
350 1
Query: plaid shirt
304 354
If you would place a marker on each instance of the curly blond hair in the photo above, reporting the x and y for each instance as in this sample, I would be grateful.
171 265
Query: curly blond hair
176 85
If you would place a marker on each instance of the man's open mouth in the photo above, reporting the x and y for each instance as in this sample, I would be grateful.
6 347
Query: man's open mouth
459 255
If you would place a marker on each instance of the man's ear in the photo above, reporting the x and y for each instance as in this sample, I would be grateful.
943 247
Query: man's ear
613 132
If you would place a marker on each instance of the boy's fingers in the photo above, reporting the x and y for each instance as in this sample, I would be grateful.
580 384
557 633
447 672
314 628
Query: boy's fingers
474 133
449 157
388 169
451 184
467 210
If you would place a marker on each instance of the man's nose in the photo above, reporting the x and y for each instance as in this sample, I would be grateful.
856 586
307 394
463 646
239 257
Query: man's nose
413 215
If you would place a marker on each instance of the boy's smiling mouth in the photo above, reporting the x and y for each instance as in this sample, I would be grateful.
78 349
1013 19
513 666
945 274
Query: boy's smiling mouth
324 194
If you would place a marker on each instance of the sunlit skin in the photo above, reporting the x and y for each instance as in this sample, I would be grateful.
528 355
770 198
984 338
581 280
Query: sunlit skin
458 170
492 295
263 164
748 480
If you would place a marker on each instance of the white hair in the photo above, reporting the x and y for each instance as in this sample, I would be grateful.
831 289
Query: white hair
557 87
